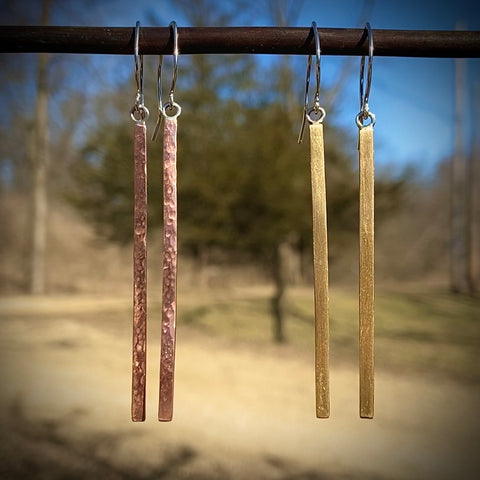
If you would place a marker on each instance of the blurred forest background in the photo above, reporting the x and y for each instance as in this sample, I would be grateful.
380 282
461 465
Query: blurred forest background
245 321
244 187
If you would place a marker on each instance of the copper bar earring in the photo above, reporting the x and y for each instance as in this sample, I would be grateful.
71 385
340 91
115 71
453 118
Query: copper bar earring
366 234
320 240
168 114
139 114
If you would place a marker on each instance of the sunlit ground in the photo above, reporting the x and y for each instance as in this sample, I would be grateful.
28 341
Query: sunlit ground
244 407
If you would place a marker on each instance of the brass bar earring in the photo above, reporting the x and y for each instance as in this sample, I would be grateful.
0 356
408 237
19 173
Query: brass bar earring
315 116
367 245
168 114
139 114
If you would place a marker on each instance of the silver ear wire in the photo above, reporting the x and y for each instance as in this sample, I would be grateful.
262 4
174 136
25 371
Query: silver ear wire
139 109
173 107
316 108
365 113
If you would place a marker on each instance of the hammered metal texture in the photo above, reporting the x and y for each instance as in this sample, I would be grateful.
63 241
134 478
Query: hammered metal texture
139 274
169 295
366 272
320 271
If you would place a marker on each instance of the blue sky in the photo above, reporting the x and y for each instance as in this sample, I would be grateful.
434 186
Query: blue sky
412 98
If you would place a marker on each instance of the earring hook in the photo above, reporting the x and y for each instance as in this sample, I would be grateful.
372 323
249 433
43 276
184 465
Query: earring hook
173 26
316 108
365 113
170 105
139 112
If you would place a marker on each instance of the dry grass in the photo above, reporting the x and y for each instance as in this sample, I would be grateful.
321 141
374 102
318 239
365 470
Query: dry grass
244 407
432 332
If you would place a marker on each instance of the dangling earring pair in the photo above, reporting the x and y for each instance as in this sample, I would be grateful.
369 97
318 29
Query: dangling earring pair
315 116
167 113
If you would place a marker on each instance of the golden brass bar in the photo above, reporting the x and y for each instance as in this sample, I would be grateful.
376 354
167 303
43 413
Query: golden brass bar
366 272
320 271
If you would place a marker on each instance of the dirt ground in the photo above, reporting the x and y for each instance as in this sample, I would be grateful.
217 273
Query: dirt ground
241 411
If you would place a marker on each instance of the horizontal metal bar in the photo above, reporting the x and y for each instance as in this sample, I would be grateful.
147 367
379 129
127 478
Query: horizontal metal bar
234 40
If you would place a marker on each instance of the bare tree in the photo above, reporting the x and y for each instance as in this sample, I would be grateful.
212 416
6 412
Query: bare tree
473 202
40 161
458 280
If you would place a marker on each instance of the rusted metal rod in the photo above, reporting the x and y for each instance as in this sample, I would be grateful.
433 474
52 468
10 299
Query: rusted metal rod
234 40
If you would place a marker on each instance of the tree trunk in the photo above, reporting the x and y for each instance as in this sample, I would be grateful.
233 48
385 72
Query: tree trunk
201 261
278 299
458 244
473 202
39 164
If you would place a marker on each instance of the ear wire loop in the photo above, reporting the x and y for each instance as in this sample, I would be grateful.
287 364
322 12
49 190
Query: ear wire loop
139 112
316 108
170 108
365 113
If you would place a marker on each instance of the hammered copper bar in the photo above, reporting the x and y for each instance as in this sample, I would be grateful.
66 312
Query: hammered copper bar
366 271
320 271
169 295
139 274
